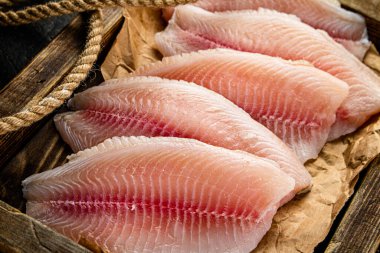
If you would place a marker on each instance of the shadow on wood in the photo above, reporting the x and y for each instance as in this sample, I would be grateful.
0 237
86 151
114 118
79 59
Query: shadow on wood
359 229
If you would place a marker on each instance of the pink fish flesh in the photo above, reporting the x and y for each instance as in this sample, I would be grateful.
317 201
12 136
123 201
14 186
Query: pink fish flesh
346 27
160 195
151 106
278 34
279 94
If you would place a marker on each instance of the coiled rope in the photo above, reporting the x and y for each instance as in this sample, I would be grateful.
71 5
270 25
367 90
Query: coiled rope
61 93
42 11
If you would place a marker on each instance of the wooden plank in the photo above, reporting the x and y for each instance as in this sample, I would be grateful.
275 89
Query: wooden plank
44 73
20 44
49 66
359 230
20 233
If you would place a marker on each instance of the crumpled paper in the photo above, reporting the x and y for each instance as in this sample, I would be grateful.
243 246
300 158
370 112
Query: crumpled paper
305 221
134 45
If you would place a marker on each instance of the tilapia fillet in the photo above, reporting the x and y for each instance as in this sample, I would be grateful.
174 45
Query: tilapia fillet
282 35
151 106
294 100
347 27
160 195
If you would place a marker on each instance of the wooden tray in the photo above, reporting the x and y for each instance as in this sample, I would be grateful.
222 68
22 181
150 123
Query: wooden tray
39 148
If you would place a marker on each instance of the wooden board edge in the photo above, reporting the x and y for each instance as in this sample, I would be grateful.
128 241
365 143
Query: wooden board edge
21 233
12 142
359 230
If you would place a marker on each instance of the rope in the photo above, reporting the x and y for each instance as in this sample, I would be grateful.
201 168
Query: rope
62 92
83 65
42 11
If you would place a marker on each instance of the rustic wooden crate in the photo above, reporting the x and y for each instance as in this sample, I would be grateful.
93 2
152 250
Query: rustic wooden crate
39 148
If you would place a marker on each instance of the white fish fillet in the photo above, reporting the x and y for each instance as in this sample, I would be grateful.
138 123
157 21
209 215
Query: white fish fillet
160 195
346 27
278 34
294 100
152 106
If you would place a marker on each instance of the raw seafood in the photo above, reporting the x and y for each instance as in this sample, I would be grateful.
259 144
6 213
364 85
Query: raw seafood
346 27
278 34
279 94
160 195
152 106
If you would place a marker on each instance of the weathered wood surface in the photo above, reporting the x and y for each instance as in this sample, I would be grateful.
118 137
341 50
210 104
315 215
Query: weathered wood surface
359 230
19 45
50 66
20 233
44 73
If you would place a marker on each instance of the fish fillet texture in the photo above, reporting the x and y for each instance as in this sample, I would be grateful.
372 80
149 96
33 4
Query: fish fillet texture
293 99
282 35
357 48
347 27
151 106
161 194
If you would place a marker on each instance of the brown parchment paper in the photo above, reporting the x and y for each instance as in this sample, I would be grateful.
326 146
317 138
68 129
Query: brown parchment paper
305 221
134 46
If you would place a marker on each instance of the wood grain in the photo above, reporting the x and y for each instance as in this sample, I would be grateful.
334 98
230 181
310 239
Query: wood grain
49 66
359 230
44 73
20 233
20 44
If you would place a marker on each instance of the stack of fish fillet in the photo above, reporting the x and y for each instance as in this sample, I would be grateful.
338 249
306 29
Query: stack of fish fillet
197 152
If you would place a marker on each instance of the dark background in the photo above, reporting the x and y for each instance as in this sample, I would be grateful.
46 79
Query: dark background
19 44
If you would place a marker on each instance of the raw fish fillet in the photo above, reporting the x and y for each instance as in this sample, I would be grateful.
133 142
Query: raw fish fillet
345 26
357 48
279 94
151 106
160 195
278 34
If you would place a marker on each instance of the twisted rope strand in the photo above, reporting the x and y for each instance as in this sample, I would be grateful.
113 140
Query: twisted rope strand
83 65
42 11
62 92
